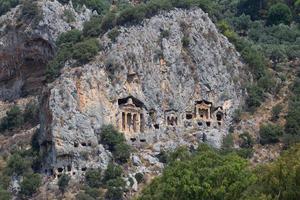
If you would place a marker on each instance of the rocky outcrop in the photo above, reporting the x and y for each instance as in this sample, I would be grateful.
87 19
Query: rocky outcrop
26 45
165 67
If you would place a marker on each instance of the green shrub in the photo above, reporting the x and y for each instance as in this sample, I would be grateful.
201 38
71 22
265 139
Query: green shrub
113 34
139 177
92 28
17 165
13 119
165 34
122 152
237 115
251 7
4 194
279 13
245 152
276 110
255 60
267 83
255 97
163 157
111 137
185 41
108 22
247 141
31 113
115 189
113 171
6 5
70 37
290 139
181 153
30 184
63 182
270 133
227 143
30 10
84 51
69 16
93 178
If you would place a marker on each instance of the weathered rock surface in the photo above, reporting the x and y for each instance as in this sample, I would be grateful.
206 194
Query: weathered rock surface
26 45
160 72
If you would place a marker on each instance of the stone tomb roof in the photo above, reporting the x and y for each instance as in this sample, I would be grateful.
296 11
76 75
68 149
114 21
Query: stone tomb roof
131 101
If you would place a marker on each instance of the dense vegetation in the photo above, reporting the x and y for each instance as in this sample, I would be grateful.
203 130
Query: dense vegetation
23 165
211 174
292 127
16 118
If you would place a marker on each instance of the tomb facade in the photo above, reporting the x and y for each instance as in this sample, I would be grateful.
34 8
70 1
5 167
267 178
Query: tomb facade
131 117
203 110
171 118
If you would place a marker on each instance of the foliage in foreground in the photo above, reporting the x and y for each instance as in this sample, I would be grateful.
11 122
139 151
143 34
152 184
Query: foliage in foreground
211 175
206 175
279 179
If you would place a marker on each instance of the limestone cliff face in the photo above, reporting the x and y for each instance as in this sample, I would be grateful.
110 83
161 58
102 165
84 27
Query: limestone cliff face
26 45
148 63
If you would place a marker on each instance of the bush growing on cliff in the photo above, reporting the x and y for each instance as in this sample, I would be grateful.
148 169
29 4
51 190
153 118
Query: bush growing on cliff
30 10
63 182
84 51
255 97
31 113
115 189
30 184
279 13
185 41
113 34
122 153
13 119
276 110
6 5
111 137
69 37
93 178
270 133
116 143
113 171
92 28
71 47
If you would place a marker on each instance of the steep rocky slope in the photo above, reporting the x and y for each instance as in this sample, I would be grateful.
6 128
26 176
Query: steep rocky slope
27 43
158 73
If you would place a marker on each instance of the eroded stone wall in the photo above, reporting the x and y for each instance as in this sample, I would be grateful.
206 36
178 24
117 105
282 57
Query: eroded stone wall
161 73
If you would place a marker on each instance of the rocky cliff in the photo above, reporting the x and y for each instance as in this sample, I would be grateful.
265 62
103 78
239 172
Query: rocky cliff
161 71
27 42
